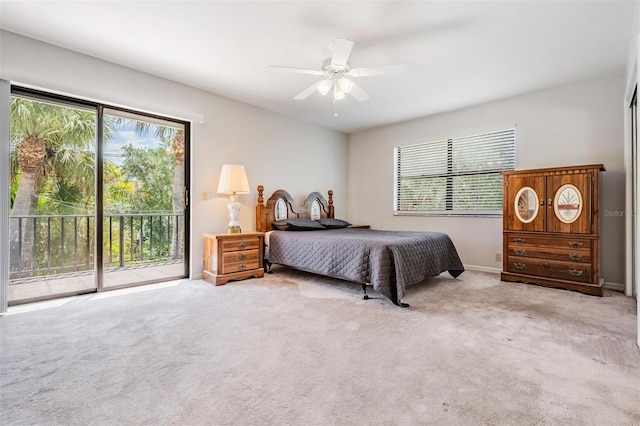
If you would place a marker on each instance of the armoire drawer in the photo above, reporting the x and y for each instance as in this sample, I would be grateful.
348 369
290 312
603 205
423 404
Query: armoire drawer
551 253
569 271
520 240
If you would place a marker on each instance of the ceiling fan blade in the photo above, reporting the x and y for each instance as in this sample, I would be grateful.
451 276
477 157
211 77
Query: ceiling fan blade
306 92
298 70
382 70
357 92
341 51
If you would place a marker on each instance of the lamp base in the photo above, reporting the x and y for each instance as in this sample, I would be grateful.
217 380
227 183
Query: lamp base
234 211
234 230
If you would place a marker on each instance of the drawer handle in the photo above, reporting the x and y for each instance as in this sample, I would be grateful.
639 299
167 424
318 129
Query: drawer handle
242 266
242 256
242 245
576 272
519 240
519 265
575 256
545 265
575 245
519 252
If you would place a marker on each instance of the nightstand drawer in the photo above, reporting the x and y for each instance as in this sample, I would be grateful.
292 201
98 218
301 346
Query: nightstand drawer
228 268
240 244
241 256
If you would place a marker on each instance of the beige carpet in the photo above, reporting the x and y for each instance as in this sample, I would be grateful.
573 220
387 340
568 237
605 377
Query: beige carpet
296 349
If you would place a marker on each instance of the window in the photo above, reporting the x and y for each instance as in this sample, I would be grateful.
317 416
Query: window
459 176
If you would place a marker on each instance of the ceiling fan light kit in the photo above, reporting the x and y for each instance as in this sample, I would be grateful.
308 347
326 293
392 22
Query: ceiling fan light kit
335 69
345 85
324 86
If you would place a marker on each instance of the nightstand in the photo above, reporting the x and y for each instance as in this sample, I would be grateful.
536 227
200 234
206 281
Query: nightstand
233 257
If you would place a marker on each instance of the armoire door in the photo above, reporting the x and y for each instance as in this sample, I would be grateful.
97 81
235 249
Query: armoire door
569 203
524 203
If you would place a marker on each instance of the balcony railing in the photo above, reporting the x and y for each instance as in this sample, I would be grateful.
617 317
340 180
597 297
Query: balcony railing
60 244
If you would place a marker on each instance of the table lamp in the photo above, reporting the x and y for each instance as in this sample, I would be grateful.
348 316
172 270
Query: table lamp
233 181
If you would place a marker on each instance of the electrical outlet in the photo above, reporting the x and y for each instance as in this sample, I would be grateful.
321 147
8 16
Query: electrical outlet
205 195
498 257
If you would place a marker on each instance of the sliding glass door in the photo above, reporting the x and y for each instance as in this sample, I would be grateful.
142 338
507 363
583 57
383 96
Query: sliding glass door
52 198
143 199
97 197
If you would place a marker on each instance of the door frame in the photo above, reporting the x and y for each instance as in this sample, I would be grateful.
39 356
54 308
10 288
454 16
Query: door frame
100 193
632 175
5 137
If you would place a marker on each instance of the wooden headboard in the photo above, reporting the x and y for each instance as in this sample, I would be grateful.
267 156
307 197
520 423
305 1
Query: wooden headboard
282 206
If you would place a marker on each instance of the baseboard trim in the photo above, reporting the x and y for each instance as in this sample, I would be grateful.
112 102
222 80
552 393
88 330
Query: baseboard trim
608 285
483 269
614 286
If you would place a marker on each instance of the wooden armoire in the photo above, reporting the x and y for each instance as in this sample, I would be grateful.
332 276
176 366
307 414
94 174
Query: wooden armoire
551 232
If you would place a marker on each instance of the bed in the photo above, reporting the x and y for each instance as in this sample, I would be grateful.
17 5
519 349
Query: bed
311 239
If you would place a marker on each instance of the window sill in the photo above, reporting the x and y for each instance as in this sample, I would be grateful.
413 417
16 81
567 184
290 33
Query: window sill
444 214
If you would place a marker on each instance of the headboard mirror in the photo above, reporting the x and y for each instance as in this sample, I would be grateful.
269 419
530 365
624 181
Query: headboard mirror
280 209
282 206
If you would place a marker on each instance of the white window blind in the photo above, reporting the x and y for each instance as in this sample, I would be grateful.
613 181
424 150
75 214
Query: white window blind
458 176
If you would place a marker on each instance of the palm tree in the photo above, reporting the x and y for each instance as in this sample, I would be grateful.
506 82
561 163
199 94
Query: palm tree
177 194
47 142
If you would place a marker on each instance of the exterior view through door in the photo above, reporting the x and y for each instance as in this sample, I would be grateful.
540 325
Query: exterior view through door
75 164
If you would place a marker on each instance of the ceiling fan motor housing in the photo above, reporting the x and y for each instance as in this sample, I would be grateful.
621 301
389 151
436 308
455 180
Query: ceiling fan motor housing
328 67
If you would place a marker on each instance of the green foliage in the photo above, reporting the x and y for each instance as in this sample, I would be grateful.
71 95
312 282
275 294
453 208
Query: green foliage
59 197
150 171
13 188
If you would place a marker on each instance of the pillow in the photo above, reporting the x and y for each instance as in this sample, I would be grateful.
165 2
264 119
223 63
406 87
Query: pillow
280 225
329 223
297 225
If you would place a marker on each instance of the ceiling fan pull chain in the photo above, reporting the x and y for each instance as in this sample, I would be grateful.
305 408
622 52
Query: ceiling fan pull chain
335 108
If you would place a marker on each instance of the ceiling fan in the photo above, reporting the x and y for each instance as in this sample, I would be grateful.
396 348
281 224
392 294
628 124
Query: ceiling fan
336 70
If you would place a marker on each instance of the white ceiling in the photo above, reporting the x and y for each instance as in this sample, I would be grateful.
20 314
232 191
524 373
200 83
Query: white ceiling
459 53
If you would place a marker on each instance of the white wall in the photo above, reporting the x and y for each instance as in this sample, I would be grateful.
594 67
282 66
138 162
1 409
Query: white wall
278 152
574 124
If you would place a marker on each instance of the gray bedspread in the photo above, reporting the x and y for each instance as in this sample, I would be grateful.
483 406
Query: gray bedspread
388 260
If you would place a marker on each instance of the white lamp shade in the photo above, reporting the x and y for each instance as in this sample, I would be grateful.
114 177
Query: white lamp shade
345 84
324 86
233 180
